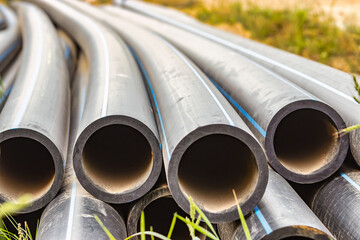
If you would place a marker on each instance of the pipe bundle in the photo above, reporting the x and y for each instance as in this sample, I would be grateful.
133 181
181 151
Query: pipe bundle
143 108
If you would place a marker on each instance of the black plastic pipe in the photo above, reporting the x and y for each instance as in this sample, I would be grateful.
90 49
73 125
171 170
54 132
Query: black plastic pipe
117 155
159 208
3 23
202 135
70 51
35 119
337 203
281 214
8 79
10 39
298 131
71 215
329 84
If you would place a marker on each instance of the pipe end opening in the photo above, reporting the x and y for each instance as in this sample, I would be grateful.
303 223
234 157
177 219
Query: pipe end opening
26 167
117 158
212 167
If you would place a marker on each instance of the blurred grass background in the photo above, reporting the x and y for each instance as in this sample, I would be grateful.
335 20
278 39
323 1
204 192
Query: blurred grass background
300 29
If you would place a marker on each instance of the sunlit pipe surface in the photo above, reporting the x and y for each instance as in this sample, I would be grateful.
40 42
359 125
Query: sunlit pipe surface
117 155
281 214
159 208
329 84
8 79
35 119
71 214
337 204
70 51
202 135
298 132
10 39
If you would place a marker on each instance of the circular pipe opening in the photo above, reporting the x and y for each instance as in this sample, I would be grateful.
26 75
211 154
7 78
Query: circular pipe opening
26 166
117 158
214 165
159 215
305 140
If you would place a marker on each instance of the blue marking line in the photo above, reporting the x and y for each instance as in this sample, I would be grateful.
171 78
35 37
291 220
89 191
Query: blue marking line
67 52
263 221
155 101
246 115
9 50
6 94
352 182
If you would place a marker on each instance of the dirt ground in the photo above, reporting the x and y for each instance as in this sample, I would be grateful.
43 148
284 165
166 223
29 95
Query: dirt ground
344 11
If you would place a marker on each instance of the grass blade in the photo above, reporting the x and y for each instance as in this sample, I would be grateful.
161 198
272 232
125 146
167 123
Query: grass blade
158 235
142 225
206 220
242 218
172 226
152 230
111 237
198 228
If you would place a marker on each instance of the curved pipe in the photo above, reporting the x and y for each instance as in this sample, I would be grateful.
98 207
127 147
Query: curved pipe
159 208
70 51
202 135
34 121
117 155
281 214
297 131
76 206
3 23
337 203
10 39
8 79
329 84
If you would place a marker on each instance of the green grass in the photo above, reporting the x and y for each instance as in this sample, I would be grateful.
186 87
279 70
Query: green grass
313 35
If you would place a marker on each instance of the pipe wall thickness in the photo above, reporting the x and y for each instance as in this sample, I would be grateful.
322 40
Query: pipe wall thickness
298 131
281 214
35 119
71 214
117 155
10 39
202 135
3 23
330 85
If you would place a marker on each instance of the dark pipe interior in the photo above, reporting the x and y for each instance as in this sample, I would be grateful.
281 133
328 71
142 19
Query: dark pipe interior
214 165
118 158
26 166
304 140
159 215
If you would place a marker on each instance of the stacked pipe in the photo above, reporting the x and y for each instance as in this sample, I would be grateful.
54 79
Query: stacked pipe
34 120
77 207
147 93
297 130
10 40
316 78
207 129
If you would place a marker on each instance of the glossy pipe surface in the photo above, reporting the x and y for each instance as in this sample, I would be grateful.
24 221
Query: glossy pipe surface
281 214
298 132
35 119
10 39
202 135
117 155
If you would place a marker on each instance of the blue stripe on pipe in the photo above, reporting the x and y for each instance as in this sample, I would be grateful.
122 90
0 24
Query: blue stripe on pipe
67 52
9 50
263 221
352 182
246 115
155 101
6 94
